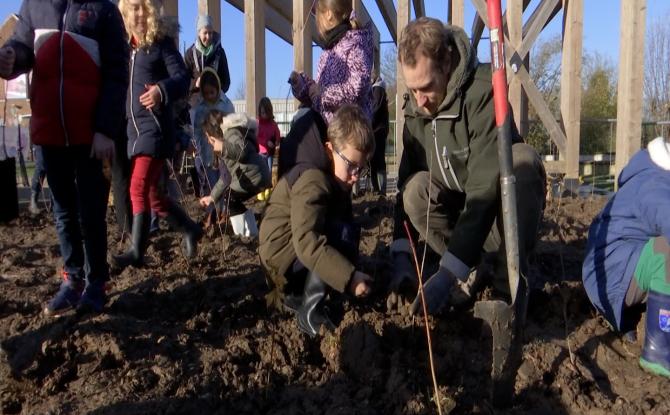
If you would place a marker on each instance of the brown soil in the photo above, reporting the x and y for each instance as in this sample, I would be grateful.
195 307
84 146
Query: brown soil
198 338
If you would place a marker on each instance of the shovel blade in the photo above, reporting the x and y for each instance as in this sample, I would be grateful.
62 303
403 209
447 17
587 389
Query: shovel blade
507 331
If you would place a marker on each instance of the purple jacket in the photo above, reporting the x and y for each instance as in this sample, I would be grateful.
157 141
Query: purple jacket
343 75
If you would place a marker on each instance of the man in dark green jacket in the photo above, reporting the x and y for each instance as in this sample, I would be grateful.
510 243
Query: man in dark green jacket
449 172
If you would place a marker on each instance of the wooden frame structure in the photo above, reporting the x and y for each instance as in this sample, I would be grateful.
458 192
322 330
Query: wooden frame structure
290 21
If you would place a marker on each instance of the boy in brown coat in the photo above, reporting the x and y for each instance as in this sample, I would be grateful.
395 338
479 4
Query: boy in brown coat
308 241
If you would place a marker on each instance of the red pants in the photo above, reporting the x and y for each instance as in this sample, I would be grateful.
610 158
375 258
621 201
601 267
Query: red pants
144 193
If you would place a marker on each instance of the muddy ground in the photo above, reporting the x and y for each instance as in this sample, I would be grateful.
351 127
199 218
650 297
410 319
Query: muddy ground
198 338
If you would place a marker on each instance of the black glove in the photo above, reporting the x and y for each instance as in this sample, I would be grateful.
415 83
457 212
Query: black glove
436 292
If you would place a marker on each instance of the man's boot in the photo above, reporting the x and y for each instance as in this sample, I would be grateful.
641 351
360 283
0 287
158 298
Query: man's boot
191 231
34 207
311 314
138 243
656 352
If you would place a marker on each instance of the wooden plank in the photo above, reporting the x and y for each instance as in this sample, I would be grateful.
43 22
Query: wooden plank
477 30
419 8
571 82
254 28
403 19
553 128
517 98
541 16
302 35
211 8
457 13
274 21
387 9
631 76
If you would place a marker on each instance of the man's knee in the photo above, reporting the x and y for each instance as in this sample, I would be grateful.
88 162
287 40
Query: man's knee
415 194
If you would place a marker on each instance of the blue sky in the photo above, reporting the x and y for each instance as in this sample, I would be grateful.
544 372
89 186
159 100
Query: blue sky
601 33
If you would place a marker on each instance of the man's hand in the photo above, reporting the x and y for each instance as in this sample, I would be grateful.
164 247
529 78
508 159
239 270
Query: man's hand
7 59
359 285
436 292
102 147
206 201
152 97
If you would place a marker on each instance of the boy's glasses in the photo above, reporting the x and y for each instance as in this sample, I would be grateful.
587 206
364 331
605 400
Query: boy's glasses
353 168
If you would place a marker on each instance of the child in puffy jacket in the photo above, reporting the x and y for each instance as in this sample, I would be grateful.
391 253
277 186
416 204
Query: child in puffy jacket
268 136
628 253
345 66
234 137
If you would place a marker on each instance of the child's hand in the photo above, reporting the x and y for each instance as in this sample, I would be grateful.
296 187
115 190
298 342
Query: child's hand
7 59
152 96
359 285
270 144
197 83
206 201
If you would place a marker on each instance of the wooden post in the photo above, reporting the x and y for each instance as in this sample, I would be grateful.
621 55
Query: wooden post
211 8
302 37
571 82
631 73
254 27
457 13
517 98
401 88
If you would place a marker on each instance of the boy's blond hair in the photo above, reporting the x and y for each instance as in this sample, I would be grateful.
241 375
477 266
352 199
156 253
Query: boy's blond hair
350 126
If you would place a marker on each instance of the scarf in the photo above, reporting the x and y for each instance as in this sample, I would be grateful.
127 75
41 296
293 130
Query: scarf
332 36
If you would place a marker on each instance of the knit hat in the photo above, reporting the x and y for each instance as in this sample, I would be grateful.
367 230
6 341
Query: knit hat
203 21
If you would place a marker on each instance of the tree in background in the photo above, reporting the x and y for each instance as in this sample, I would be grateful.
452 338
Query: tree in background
599 95
657 71
545 71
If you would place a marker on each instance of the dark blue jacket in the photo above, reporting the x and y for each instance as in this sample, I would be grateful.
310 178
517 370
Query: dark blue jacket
152 133
639 211
78 53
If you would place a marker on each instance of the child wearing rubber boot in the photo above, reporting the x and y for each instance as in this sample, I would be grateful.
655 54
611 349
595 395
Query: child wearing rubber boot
308 242
234 137
628 255
158 80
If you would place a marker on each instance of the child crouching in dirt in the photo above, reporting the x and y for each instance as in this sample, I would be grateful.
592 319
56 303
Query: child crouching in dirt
308 242
628 255
234 137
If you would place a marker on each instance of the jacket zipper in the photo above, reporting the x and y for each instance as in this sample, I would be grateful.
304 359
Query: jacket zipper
132 96
62 75
445 155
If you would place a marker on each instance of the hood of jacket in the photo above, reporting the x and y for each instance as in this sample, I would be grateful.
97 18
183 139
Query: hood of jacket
460 74
656 156
304 146
237 120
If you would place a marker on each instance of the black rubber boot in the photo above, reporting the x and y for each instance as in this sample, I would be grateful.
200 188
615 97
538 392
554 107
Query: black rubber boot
192 232
140 233
311 314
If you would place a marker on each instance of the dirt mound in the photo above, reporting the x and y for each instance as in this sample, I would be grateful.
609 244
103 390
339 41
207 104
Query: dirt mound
182 337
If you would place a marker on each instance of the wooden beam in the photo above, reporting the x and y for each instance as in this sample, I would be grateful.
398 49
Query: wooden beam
211 8
571 82
401 88
553 128
457 13
631 76
419 8
387 9
517 98
541 16
254 27
302 37
275 22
